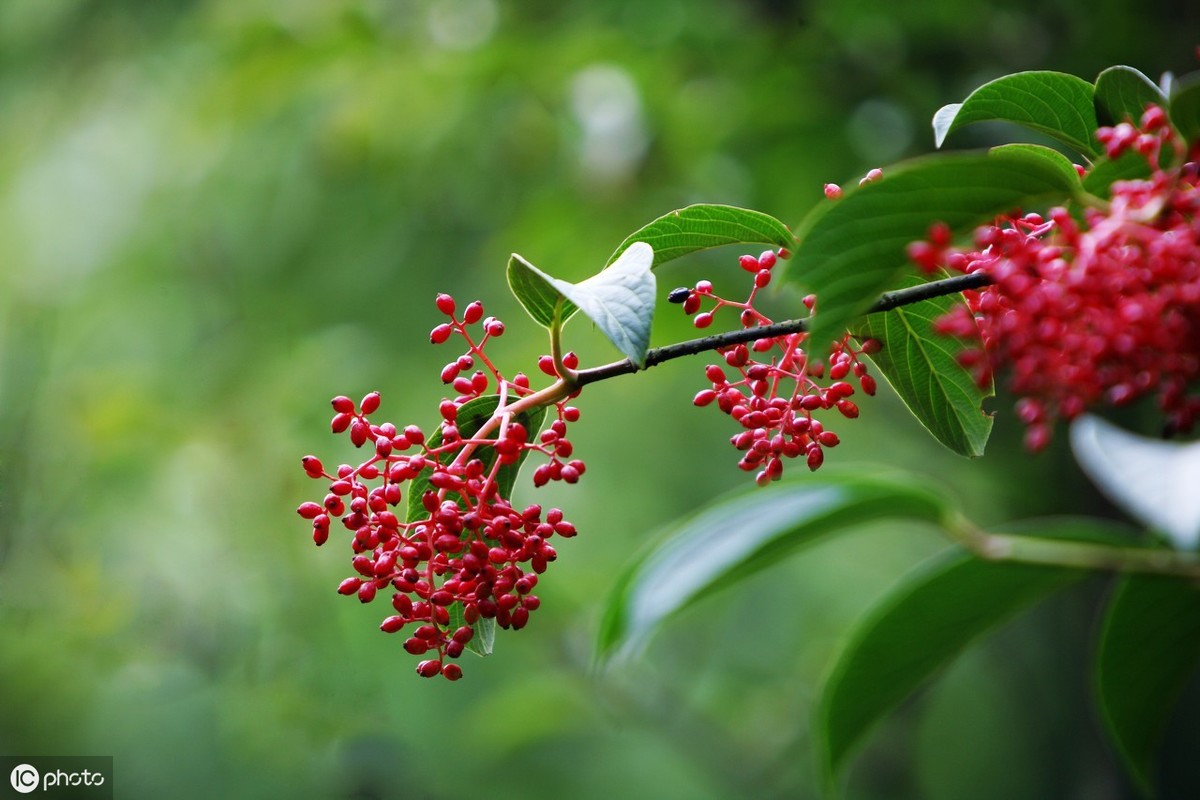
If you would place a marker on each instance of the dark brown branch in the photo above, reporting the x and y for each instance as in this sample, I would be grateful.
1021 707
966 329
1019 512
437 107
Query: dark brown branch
886 302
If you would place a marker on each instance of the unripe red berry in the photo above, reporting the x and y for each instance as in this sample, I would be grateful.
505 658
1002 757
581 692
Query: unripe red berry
749 263
452 672
427 669
762 278
702 320
440 333
343 405
340 422
366 592
473 313
445 304
312 466
309 510
349 586
704 397
767 259
833 191
546 365
392 624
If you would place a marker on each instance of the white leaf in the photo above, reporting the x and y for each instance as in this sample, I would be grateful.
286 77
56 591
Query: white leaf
1156 482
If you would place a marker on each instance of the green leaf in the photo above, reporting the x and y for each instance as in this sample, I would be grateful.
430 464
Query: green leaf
1099 179
923 624
619 299
1052 103
922 366
538 294
1122 94
850 250
702 226
1185 107
471 417
1149 648
739 535
1047 156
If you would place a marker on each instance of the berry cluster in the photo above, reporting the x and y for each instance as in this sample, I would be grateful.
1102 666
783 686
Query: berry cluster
1103 309
459 554
772 387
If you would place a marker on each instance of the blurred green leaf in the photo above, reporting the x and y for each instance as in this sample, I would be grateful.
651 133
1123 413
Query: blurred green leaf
1054 103
619 299
1122 94
1185 106
850 250
1104 171
922 366
1149 648
740 535
471 417
702 226
923 624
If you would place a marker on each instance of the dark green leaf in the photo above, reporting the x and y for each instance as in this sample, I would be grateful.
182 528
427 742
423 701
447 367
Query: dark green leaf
1104 171
1149 647
471 417
537 293
850 250
740 535
922 366
1122 94
619 299
1053 103
1185 107
700 227
923 624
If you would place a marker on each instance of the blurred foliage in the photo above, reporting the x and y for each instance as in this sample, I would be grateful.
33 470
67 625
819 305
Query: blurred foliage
217 214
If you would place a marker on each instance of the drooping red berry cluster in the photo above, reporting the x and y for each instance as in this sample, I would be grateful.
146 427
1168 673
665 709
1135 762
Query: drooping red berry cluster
772 387
1100 311
451 547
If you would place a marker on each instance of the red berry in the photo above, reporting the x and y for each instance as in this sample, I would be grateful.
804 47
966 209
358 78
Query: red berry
440 333
445 304
473 313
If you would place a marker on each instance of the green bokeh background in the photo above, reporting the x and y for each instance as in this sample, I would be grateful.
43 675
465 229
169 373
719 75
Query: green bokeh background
218 214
